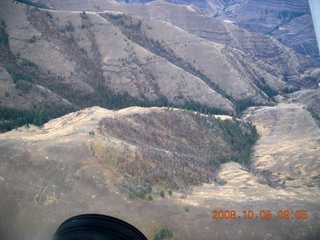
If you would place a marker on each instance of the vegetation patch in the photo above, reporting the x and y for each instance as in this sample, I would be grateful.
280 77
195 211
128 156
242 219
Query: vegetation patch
286 16
163 233
3 34
288 90
12 118
136 189
315 115
17 75
177 149
32 3
69 27
24 87
266 88
28 63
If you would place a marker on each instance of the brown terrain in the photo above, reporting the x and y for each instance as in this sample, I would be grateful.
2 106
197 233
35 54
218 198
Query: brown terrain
124 53
59 170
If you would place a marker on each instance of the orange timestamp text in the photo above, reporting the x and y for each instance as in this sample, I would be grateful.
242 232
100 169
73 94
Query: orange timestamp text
262 214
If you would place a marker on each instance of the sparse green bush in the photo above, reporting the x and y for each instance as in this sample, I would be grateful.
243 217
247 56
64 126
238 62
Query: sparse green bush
150 198
131 195
48 14
266 88
29 63
137 190
83 15
141 195
82 50
69 27
3 24
170 192
186 209
163 233
25 87
291 90
148 189
91 133
18 75
33 39
162 193
314 114
4 38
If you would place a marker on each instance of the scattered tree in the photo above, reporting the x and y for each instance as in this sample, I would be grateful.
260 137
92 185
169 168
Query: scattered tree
163 233
83 15
69 27
162 193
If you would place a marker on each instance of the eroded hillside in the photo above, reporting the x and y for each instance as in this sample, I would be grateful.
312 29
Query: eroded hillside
78 59
270 52
289 22
84 60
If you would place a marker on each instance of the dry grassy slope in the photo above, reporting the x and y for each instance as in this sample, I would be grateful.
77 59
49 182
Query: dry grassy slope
51 63
278 18
12 97
224 66
309 97
298 27
24 96
20 32
157 146
289 143
130 67
281 19
261 52
96 49
224 32
122 64
49 174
